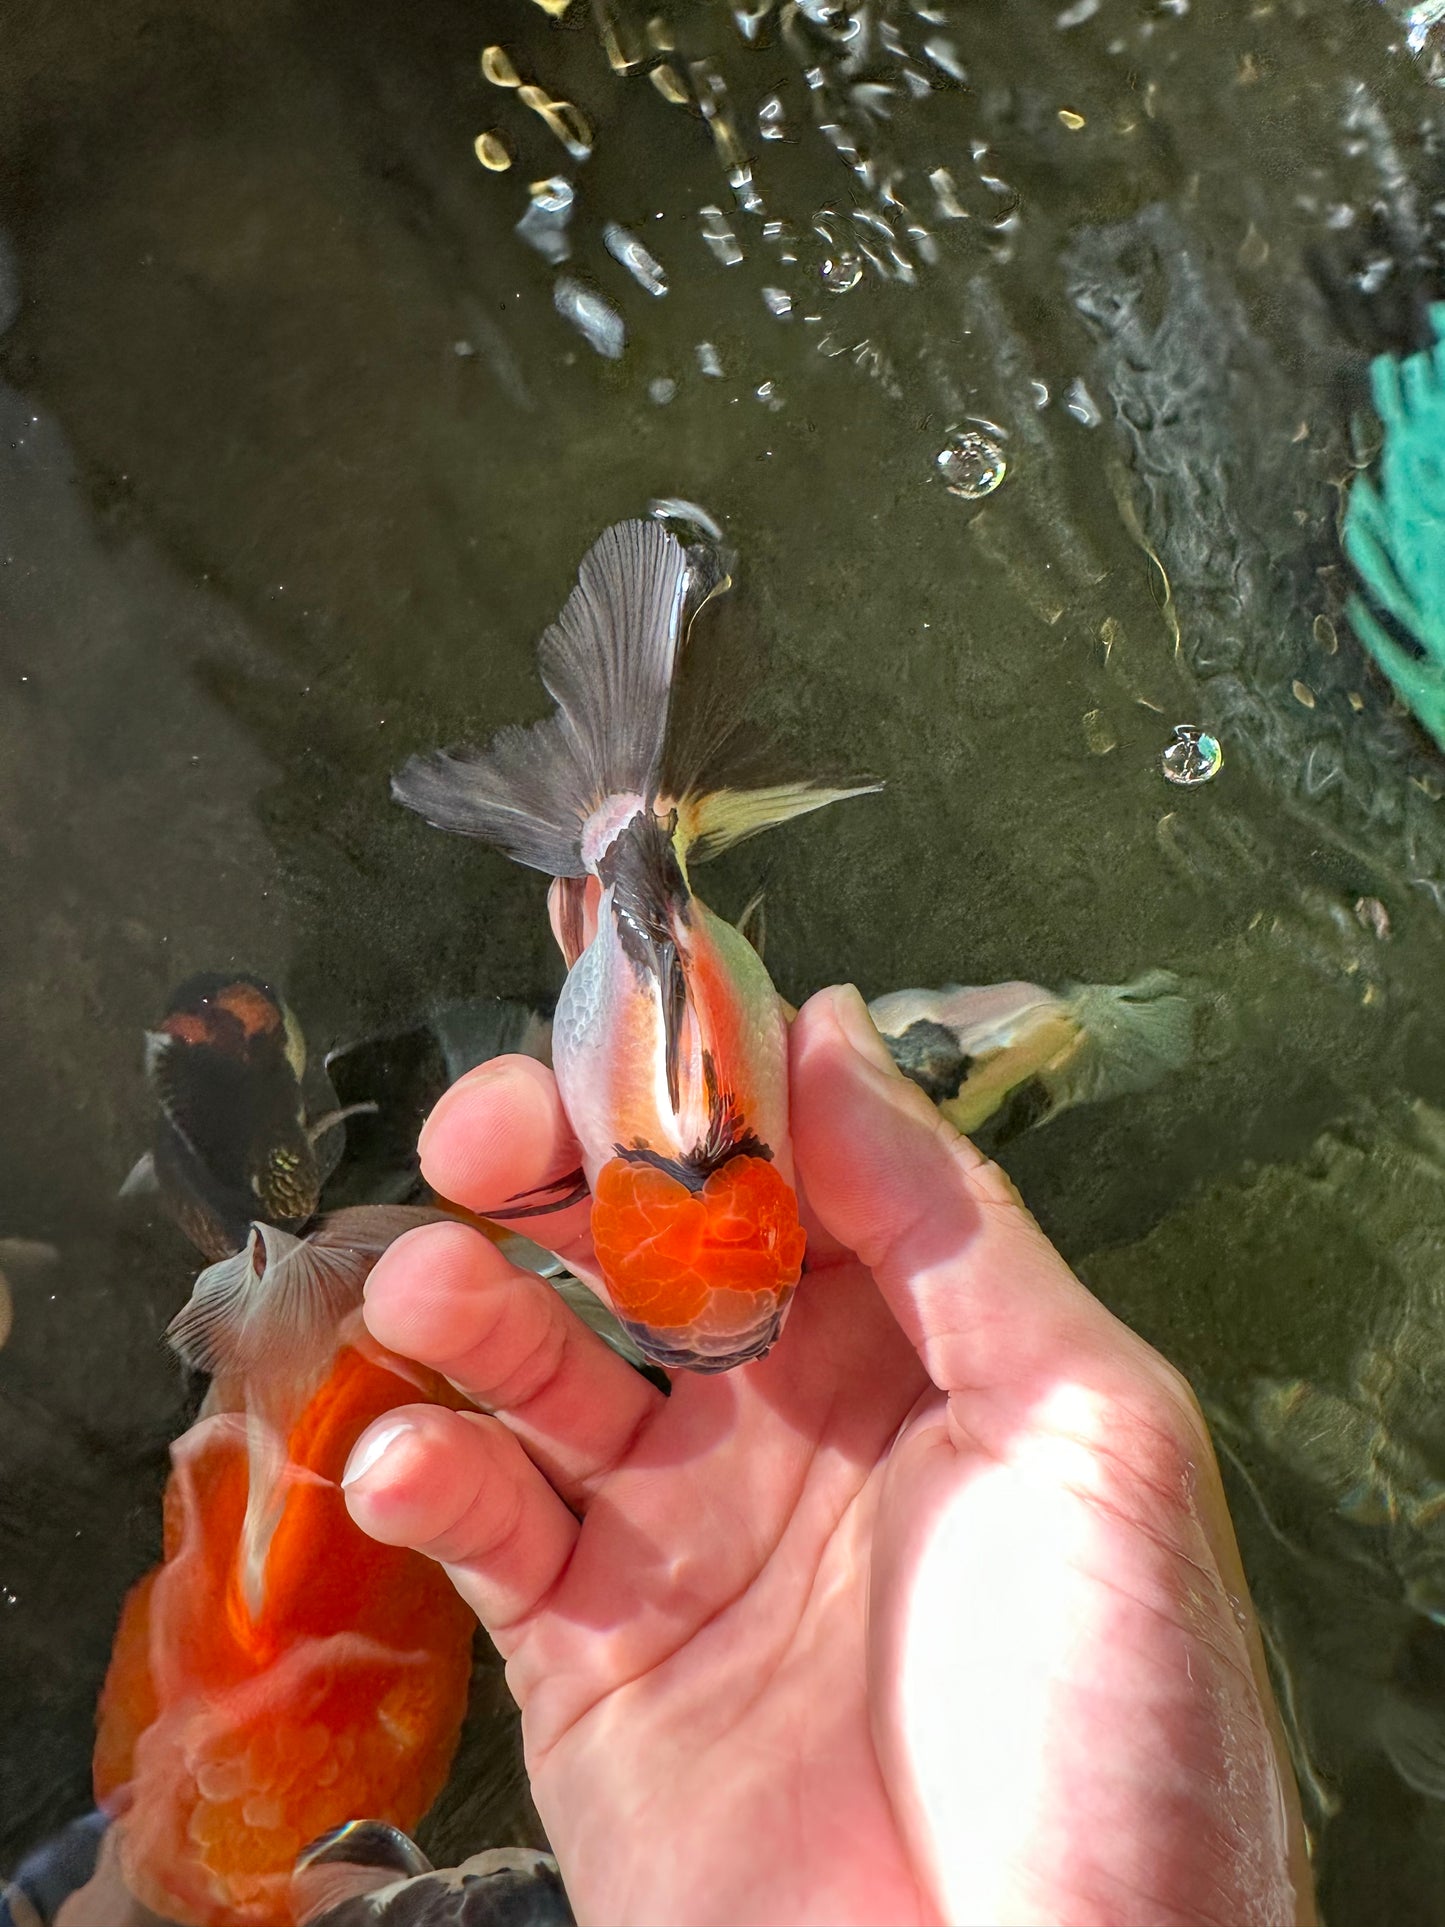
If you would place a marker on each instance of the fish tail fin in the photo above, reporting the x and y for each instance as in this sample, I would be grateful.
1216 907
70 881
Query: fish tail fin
1413 1738
608 662
475 1032
272 1310
1130 1036
711 821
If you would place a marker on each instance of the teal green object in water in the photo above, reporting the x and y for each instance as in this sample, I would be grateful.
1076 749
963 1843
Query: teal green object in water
1395 531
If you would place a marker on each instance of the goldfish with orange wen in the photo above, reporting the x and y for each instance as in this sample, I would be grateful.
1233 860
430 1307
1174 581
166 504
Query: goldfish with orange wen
279 1672
669 1040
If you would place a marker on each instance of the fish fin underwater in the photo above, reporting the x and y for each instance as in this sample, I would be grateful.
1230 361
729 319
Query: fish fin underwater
274 1307
610 663
1131 1035
368 1874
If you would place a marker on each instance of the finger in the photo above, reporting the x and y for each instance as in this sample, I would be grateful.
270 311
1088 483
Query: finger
458 1487
495 1143
974 1282
446 1297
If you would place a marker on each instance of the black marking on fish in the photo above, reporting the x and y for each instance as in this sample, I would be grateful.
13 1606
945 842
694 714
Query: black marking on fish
650 898
575 1183
685 1358
727 1137
929 1055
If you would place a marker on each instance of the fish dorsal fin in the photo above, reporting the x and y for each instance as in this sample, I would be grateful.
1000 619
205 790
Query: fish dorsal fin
715 820
649 899
277 1303
608 662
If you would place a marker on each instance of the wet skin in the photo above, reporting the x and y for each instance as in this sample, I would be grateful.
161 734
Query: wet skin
935 1613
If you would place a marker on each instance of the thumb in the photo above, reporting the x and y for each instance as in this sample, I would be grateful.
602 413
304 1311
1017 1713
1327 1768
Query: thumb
979 1290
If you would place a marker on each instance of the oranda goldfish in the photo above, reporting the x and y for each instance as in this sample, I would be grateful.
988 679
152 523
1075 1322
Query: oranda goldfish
970 1046
232 1140
668 1040
279 1672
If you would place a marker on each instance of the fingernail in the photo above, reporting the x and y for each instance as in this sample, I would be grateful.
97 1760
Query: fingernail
370 1448
851 1014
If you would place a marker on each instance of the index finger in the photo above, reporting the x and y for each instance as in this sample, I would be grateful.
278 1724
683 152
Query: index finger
499 1144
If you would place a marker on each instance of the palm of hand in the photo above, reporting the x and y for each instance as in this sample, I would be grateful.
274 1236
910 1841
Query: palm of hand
932 1613
701 1665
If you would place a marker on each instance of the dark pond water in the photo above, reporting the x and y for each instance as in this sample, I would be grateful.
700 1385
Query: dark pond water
298 455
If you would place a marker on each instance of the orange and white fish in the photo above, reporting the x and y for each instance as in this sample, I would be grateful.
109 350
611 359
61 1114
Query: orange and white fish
668 1041
279 1672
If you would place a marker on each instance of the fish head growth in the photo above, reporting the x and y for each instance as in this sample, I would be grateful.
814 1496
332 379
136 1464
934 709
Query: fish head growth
231 1733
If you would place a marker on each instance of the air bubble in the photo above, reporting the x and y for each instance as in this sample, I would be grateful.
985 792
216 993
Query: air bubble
632 255
1194 756
1081 404
841 270
493 152
719 237
544 225
770 119
594 318
971 463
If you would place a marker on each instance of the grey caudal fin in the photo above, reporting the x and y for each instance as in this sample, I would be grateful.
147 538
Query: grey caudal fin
608 661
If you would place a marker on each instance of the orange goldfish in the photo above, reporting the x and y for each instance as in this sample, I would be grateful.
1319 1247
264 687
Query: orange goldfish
279 1672
668 1041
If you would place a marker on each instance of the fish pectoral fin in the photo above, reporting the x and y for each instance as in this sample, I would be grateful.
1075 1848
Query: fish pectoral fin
141 1180
598 1318
318 1128
359 1858
752 922
714 820
278 1303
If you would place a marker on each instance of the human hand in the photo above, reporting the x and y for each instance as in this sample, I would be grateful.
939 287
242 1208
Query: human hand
935 1613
